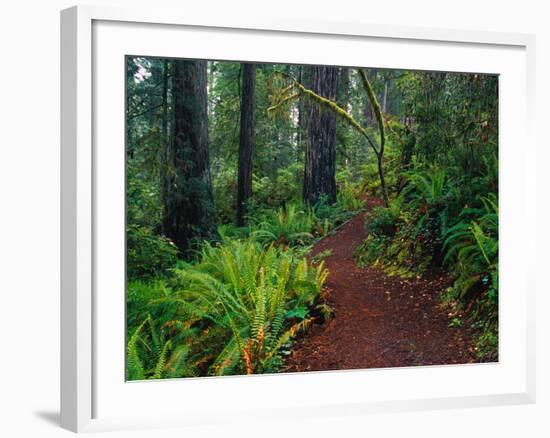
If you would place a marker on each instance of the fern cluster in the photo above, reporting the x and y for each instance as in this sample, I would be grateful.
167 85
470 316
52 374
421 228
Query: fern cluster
472 247
235 312
472 254
406 237
297 225
152 354
286 226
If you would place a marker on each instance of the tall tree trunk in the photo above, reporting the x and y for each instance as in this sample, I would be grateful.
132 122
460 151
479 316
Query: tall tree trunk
211 74
320 163
343 101
303 78
164 121
188 211
385 96
246 145
300 117
165 146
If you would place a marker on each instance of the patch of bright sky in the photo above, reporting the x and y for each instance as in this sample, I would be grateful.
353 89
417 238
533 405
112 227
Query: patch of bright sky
143 72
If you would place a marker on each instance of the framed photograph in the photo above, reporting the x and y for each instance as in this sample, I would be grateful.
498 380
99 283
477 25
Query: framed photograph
278 216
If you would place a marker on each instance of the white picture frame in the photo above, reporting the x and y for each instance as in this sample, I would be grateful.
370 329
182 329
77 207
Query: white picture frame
92 41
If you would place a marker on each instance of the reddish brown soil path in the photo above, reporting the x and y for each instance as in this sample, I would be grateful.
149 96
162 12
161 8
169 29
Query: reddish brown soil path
379 321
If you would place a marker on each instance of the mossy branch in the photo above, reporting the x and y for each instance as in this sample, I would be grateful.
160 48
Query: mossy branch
375 105
283 96
321 101
378 113
282 102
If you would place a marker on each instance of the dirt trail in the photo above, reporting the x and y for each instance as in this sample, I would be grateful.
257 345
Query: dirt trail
379 321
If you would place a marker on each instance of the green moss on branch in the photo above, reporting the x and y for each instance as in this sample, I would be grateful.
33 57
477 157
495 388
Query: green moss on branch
375 105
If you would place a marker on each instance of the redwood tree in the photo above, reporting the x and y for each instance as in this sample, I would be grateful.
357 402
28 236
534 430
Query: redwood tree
246 145
320 162
187 189
313 180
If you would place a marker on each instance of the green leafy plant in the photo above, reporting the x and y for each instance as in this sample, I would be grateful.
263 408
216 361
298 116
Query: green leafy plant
327 217
246 289
234 311
278 190
472 246
407 237
425 188
349 197
149 355
321 255
472 253
285 226
148 253
456 322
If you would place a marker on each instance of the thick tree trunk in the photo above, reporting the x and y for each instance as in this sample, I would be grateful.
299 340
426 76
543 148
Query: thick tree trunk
188 209
246 146
320 162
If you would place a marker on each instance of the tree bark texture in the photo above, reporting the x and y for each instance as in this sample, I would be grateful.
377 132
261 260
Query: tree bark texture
189 211
246 145
320 162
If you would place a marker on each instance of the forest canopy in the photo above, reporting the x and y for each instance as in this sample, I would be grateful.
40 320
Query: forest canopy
235 172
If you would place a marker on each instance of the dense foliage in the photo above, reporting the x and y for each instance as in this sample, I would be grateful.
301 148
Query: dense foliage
206 296
233 311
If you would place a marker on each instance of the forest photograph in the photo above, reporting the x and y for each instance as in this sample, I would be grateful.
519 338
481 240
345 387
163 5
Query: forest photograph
290 218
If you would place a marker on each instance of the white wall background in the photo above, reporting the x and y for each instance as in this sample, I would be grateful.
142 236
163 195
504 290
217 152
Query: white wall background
29 216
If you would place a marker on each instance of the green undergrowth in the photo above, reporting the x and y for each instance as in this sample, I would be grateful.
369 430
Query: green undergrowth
237 304
235 310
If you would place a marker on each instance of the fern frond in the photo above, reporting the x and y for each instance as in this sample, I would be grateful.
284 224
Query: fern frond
161 362
134 366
